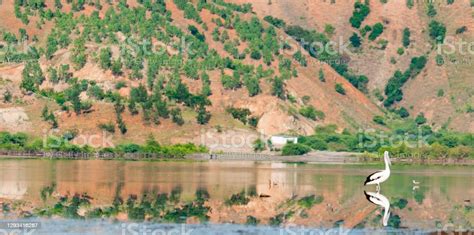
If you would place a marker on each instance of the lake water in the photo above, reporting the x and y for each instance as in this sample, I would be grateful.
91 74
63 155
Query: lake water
302 198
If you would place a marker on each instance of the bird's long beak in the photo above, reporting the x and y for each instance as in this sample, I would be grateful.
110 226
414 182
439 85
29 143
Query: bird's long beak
387 156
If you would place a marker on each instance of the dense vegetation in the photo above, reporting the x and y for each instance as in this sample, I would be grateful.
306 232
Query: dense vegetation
23 142
404 140
126 42
361 11
393 89
335 60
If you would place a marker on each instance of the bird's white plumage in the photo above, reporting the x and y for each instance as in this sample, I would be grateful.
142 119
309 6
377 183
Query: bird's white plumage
380 176
381 200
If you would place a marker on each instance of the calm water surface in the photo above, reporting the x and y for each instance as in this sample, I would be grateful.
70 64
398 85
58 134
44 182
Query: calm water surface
442 199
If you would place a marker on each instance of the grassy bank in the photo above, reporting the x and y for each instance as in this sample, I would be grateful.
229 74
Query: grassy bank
405 140
21 142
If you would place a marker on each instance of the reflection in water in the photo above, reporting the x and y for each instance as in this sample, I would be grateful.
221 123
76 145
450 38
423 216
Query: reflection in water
380 200
239 192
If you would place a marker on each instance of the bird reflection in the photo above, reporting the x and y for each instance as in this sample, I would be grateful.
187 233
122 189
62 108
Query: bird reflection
380 200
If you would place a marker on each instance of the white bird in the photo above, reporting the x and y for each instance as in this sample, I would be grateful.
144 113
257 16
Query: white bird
380 176
381 200
415 182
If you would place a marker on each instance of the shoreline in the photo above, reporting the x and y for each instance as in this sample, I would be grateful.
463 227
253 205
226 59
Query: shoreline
320 157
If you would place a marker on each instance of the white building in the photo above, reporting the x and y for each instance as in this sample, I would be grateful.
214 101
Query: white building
282 140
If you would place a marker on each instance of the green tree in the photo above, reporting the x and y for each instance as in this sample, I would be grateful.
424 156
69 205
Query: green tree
437 31
79 56
340 89
420 119
105 55
32 76
329 29
321 76
295 149
278 88
311 112
176 116
231 82
361 11
403 112
298 56
116 67
53 75
431 11
253 86
379 120
51 46
259 145
7 96
406 37
203 116
377 29
355 40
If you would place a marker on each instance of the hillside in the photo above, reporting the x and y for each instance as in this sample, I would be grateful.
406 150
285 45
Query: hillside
442 91
216 72
87 59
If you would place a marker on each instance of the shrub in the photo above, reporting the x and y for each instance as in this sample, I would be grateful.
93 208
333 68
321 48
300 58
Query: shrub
377 29
393 89
292 149
461 30
365 30
340 89
329 29
120 84
278 88
275 21
440 93
237 199
298 56
355 40
32 76
109 127
7 96
311 113
203 116
176 116
309 201
406 37
105 55
400 51
259 145
431 11
439 60
379 120
256 55
252 220
403 112
314 142
321 76
230 82
361 11
420 119
240 114
116 67
253 121
437 31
